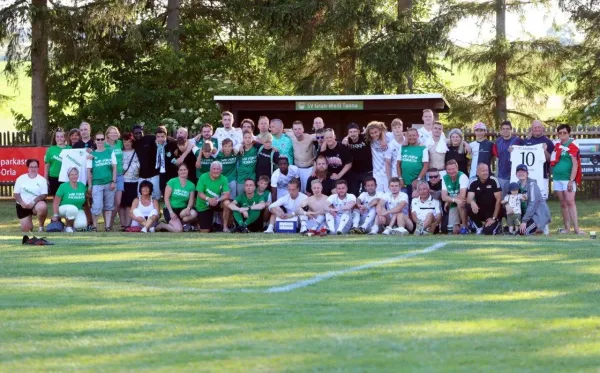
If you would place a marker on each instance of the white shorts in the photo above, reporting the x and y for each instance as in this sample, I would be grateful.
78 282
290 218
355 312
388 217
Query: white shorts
562 185
304 175
422 215
382 183
348 225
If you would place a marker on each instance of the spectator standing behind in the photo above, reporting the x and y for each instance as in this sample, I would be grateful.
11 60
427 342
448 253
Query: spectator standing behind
566 173
413 163
437 147
538 137
206 134
131 173
502 153
458 150
321 174
382 163
482 149
30 192
102 182
454 194
69 200
179 210
537 214
205 156
263 126
425 132
247 209
362 159
228 131
512 204
339 158
145 209
247 125
425 211
145 148
74 136
114 143
281 141
304 155
484 202
53 161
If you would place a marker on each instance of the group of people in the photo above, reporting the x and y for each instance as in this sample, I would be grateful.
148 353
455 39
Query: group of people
247 179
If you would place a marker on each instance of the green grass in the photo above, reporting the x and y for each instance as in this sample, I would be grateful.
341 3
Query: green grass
19 98
191 302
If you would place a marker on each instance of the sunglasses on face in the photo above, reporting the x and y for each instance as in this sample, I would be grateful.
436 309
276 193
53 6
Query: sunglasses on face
99 139
434 176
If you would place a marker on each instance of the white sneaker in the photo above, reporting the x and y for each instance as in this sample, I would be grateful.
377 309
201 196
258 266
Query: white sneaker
69 230
303 228
388 231
374 230
400 230
151 230
269 230
144 230
418 232
547 230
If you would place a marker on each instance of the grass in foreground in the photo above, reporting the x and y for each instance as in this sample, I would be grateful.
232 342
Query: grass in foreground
190 302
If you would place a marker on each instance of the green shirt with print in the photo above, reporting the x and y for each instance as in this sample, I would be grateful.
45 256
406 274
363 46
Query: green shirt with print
54 160
102 167
229 165
562 169
453 187
180 196
247 165
117 148
211 189
72 196
412 162
204 164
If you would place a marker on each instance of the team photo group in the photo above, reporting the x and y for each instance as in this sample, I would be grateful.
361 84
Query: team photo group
382 178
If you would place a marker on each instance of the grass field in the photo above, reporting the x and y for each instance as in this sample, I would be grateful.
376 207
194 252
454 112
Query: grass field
190 302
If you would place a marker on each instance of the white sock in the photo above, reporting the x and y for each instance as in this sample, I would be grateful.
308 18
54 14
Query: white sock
370 217
343 221
330 222
355 218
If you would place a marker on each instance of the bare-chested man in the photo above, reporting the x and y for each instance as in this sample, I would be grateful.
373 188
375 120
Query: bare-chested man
317 203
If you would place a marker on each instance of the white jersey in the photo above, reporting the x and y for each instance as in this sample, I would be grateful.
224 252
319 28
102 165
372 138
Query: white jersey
287 202
393 154
422 208
379 157
365 198
29 188
338 202
391 201
533 157
281 181
235 134
73 158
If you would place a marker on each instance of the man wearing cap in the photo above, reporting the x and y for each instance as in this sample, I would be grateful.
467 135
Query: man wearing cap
501 151
482 149
483 202
282 177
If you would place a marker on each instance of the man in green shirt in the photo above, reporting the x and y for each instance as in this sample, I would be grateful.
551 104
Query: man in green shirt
229 161
413 163
213 196
247 209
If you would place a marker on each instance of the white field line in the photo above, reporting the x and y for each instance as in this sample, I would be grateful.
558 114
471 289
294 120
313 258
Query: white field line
328 275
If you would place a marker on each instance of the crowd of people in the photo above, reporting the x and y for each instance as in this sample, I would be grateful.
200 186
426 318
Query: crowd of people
373 180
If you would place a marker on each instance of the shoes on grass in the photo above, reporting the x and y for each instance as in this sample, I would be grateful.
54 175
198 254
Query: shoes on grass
37 241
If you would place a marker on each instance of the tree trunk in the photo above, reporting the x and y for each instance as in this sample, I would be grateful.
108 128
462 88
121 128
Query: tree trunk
501 83
347 61
405 17
173 24
39 72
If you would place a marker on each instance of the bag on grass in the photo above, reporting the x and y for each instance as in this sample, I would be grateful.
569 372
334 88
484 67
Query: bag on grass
55 226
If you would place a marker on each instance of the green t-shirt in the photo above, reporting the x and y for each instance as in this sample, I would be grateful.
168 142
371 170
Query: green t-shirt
180 195
118 150
204 164
247 165
412 162
285 146
243 201
453 187
54 160
562 169
211 188
265 196
70 196
229 165
102 167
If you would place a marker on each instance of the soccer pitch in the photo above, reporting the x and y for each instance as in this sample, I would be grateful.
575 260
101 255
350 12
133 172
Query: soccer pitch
258 303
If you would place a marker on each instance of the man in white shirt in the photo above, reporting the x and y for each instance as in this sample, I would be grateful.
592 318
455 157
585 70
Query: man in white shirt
425 211
312 209
286 207
338 213
366 207
394 149
30 193
392 210
229 132
282 177
425 131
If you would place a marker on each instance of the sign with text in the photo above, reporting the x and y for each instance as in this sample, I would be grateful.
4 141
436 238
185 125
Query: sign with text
590 156
13 161
328 105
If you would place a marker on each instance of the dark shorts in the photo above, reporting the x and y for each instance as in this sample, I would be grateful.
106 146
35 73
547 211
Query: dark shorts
167 214
130 193
23 213
205 218
53 185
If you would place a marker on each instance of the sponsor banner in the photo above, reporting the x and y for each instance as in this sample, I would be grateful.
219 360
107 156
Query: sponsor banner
12 161
328 105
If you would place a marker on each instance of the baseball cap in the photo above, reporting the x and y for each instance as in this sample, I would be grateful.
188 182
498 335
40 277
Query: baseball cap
479 126
513 186
522 167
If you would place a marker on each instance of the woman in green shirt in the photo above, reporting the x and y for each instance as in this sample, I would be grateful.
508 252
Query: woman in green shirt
102 181
53 161
69 200
113 142
179 202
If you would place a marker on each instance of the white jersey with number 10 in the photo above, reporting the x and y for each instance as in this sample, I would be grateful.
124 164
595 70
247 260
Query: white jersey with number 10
534 158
